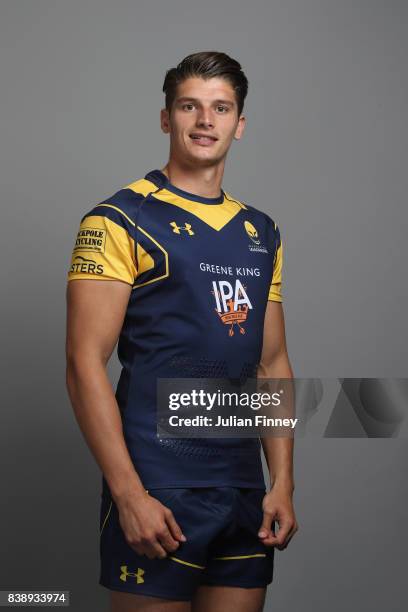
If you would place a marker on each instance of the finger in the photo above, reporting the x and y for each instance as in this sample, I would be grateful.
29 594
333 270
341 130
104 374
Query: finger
285 545
167 541
155 550
288 539
173 526
265 529
271 538
279 540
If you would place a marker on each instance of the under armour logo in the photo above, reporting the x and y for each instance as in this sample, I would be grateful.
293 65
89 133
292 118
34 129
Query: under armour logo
177 228
138 575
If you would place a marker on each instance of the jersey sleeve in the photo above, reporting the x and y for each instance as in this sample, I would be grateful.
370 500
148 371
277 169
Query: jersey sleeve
275 289
105 246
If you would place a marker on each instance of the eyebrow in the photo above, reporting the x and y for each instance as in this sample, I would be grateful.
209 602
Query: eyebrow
190 99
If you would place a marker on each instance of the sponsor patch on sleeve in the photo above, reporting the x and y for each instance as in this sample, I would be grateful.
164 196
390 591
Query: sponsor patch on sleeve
91 239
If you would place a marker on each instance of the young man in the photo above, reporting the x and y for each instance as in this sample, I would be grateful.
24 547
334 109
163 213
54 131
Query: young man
189 279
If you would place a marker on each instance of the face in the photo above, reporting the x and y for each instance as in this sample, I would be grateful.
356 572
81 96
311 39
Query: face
203 121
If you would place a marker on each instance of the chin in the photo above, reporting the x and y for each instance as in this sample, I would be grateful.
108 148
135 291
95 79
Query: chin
206 158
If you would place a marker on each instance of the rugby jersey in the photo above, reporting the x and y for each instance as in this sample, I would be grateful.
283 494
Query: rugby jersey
202 271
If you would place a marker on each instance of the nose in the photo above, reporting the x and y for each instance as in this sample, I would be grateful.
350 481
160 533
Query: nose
205 119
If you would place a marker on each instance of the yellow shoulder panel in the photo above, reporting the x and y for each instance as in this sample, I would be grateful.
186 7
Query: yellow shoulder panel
142 186
215 215
103 250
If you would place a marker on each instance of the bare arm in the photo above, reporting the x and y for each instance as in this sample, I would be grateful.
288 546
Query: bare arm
95 314
275 364
278 450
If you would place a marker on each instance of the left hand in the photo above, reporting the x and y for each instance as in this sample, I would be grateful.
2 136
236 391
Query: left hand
277 505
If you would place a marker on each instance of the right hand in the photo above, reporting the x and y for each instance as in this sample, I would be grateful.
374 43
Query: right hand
149 527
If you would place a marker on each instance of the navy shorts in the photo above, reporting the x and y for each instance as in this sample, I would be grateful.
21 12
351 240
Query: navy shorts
221 525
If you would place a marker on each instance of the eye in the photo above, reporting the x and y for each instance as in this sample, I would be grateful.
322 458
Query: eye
188 106
222 108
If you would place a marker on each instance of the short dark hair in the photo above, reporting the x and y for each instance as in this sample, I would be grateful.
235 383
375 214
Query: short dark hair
207 64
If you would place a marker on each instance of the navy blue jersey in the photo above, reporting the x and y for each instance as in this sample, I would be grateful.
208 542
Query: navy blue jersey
201 272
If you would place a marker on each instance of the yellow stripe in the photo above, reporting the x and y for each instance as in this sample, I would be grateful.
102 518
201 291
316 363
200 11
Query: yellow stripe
106 518
119 210
142 186
240 557
275 289
166 258
187 563
216 216
229 197
145 261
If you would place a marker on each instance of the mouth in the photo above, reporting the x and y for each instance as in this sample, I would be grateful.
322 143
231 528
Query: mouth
203 139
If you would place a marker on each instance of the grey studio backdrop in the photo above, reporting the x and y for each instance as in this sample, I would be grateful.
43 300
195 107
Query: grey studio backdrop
324 154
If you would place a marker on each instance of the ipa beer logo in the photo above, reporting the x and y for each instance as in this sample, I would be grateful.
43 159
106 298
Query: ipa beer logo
232 304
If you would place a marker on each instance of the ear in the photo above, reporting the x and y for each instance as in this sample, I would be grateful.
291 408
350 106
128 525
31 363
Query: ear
240 127
165 120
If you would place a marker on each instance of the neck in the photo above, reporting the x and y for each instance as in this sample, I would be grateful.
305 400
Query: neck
205 182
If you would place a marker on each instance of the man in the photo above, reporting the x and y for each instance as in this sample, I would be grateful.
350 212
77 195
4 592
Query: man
186 524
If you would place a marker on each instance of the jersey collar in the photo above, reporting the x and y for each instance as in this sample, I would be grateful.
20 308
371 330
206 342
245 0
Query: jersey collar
160 180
